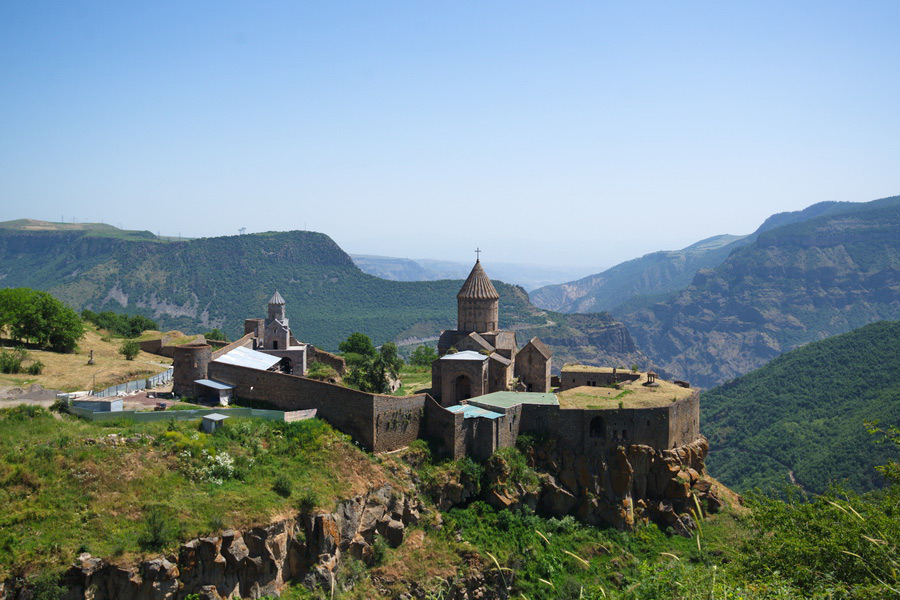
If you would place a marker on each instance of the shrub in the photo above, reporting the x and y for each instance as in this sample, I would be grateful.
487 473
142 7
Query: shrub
320 371
282 485
46 587
35 368
130 349
159 529
307 500
118 324
11 361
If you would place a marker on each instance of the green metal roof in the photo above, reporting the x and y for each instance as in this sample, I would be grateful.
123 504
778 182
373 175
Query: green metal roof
508 399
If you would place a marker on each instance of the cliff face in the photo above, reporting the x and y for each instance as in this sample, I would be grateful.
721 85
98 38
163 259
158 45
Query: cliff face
651 274
253 563
795 284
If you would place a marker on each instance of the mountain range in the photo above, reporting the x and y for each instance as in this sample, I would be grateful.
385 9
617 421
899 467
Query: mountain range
726 305
218 282
528 277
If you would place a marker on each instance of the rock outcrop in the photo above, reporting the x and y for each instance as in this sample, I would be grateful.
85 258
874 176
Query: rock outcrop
248 564
630 485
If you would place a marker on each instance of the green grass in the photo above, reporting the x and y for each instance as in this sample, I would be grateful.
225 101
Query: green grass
414 380
62 494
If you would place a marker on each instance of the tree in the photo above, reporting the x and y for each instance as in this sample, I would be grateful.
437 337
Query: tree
358 343
129 349
423 356
371 374
38 317
216 334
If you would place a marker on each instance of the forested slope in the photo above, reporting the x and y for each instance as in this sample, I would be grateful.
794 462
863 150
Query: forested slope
803 414
218 282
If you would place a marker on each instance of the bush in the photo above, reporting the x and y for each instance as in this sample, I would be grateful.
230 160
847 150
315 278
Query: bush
130 349
46 587
35 368
282 486
307 501
118 324
320 371
159 530
11 361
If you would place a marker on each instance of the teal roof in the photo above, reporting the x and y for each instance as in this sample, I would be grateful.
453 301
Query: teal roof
470 412
509 399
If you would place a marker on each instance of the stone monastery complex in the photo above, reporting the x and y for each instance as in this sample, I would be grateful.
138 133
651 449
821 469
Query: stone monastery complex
617 437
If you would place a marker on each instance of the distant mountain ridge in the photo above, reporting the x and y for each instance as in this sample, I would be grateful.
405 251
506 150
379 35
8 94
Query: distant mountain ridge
218 282
667 272
800 417
426 269
654 273
796 283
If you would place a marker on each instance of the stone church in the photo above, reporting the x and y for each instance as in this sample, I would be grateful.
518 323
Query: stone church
478 357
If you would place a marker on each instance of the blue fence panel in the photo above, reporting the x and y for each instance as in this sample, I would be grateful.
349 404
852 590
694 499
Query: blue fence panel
138 384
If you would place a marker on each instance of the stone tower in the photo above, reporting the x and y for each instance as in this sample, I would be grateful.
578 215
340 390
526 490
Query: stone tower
478 303
276 309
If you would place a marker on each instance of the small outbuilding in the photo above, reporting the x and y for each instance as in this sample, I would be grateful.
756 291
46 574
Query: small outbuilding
214 390
213 422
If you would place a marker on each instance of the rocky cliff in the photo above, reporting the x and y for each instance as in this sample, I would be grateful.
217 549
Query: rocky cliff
795 284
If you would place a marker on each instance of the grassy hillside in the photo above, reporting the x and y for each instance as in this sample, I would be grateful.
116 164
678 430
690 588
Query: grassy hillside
126 491
218 282
803 414
795 284
70 372
67 488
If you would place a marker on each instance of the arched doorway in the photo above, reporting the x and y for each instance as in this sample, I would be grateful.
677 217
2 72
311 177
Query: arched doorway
286 365
596 428
462 389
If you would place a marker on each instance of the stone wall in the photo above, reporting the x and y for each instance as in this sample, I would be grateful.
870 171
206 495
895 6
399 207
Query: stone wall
572 379
684 421
380 423
533 369
349 410
597 431
445 428
398 420
326 358
476 371
191 362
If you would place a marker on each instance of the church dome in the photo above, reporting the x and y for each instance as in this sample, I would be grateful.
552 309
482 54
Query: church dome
478 286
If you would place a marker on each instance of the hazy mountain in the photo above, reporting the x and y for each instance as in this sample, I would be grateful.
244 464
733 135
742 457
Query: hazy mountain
426 269
653 273
794 284
665 272
218 282
801 416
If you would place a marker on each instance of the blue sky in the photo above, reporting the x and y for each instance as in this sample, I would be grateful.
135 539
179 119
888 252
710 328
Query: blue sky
581 133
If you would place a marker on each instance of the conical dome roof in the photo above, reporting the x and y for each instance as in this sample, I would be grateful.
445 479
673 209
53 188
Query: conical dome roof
276 298
478 286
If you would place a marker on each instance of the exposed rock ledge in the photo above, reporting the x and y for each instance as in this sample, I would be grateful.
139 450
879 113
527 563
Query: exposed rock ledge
248 564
